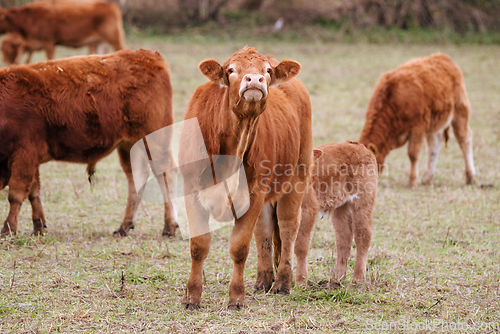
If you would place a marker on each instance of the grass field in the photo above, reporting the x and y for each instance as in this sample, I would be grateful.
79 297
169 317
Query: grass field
434 255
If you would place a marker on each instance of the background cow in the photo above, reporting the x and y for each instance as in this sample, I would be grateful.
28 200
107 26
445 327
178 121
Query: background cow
270 130
79 110
14 46
64 22
417 100
344 186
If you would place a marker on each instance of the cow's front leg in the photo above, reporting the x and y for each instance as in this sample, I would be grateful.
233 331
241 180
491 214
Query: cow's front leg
23 173
39 223
199 243
288 211
263 241
239 246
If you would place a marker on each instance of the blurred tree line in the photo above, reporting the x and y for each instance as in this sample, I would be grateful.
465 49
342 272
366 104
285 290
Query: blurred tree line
456 15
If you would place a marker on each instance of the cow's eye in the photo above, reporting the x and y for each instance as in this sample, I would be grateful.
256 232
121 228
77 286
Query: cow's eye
269 70
231 70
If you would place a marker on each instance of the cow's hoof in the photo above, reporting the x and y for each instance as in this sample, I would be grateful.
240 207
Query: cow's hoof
261 287
236 306
168 234
280 289
38 232
7 232
190 306
469 178
120 233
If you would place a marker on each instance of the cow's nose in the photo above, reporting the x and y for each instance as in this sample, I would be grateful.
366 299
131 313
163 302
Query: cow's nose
254 78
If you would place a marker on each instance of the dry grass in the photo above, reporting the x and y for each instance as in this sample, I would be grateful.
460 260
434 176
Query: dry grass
434 253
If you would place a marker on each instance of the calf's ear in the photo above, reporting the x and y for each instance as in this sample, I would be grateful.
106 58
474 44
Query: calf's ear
372 147
286 70
213 71
317 153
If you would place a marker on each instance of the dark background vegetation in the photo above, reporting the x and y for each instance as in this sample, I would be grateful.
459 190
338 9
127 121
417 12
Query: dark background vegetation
374 20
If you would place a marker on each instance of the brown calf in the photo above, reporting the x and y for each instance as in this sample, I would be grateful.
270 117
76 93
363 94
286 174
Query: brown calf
65 22
253 109
79 110
417 100
344 186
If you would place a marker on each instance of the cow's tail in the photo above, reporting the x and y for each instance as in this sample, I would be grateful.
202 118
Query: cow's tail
91 172
446 136
276 243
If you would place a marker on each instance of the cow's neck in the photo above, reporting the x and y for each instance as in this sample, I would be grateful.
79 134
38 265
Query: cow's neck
243 121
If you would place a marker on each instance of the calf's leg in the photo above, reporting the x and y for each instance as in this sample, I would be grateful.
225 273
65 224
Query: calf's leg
362 228
263 239
302 244
433 148
342 224
39 223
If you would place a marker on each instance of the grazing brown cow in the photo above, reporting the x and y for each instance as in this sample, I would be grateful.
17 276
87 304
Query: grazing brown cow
417 100
14 46
79 110
65 22
252 108
344 186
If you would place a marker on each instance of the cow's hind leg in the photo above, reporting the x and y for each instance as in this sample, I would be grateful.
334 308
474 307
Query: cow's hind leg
23 174
415 142
133 201
433 148
170 178
341 219
39 223
263 240
288 212
463 133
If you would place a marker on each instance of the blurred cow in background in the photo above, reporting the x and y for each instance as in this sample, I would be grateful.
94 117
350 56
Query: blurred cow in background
45 24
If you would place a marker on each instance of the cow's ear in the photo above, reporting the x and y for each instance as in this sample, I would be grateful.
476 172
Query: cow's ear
286 70
213 71
317 153
372 147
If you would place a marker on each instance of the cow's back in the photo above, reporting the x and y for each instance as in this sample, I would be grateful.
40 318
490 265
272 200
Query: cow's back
79 109
344 172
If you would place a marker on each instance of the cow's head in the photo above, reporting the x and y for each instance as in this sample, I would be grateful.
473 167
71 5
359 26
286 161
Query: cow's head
248 76
10 50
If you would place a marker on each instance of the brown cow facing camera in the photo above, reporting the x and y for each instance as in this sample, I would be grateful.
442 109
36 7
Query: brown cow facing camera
254 109
344 186
64 22
420 99
79 110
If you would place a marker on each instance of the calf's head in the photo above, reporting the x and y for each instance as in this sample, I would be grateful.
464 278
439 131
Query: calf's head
248 76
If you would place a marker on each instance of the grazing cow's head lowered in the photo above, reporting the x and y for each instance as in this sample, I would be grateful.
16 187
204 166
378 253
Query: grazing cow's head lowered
248 74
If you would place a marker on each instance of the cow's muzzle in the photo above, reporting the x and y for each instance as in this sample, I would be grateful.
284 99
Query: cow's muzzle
253 87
